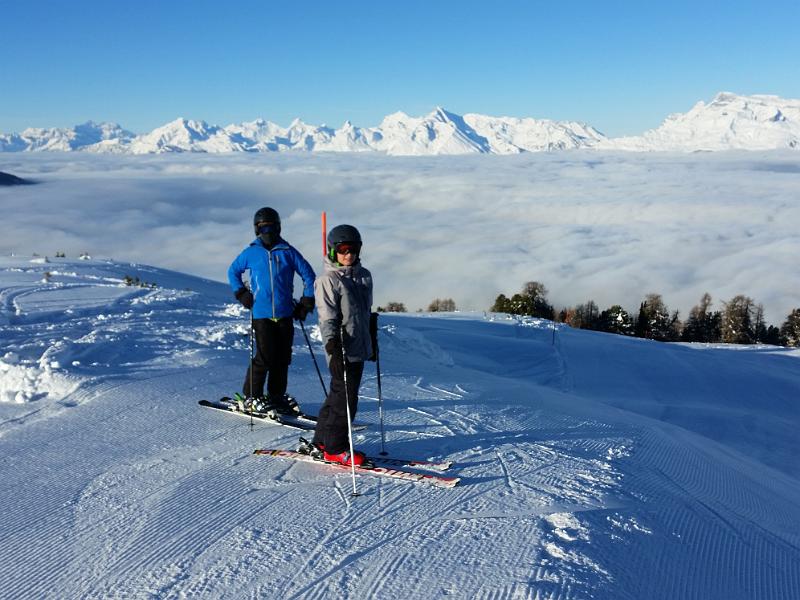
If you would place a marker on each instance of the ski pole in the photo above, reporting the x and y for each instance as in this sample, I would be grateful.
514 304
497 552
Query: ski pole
380 395
251 364
380 402
349 424
324 233
319 374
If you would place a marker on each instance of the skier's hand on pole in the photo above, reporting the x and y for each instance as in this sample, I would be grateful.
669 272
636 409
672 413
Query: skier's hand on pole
245 297
334 349
303 308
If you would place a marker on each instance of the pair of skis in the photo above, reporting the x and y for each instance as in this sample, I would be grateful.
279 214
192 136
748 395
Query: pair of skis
382 466
297 421
394 468
300 420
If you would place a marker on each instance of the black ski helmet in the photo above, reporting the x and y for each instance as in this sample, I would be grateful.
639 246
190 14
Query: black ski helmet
341 234
267 215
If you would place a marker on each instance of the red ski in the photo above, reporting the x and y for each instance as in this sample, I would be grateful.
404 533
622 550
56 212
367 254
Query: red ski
428 478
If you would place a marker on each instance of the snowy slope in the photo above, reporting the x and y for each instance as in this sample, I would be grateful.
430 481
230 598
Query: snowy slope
510 135
592 466
185 135
440 132
728 122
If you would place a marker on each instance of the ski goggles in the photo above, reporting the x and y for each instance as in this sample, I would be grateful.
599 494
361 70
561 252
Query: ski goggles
348 248
267 227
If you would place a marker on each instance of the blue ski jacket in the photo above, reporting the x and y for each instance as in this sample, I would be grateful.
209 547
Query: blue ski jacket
271 277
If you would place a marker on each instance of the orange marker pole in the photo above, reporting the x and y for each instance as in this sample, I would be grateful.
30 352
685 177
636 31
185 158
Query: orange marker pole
324 233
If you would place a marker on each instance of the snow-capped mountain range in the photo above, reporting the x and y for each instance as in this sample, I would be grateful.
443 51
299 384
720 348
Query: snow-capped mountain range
729 121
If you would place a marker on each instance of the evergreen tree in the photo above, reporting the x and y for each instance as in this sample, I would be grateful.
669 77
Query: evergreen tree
640 328
519 305
790 330
532 301
501 304
773 336
616 320
654 321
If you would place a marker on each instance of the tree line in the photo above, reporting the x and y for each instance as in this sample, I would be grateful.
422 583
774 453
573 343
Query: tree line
739 321
437 305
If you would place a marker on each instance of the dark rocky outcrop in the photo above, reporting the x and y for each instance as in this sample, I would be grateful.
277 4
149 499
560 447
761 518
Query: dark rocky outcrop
9 179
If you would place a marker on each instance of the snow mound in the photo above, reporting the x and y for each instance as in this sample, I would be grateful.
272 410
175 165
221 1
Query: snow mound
21 382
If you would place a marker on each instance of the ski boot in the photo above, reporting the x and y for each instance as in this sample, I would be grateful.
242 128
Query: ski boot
259 404
243 403
343 458
285 405
315 451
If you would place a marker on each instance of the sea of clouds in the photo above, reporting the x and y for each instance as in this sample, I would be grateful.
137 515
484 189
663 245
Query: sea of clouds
610 227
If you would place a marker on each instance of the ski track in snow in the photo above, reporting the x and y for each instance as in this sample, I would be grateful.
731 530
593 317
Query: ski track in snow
581 477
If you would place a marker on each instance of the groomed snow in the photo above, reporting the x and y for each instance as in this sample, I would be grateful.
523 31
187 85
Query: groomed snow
592 466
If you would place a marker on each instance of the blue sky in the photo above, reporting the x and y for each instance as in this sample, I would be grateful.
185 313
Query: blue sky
619 66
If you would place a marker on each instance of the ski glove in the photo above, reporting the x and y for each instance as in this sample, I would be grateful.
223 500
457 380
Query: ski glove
373 334
334 349
303 308
245 297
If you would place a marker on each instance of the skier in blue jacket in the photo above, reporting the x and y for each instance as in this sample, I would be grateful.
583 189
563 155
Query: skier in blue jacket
272 264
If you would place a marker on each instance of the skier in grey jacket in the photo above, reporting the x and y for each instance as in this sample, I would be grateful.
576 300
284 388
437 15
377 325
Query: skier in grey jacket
344 300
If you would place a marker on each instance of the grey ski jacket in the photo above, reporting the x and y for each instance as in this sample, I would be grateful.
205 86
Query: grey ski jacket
344 297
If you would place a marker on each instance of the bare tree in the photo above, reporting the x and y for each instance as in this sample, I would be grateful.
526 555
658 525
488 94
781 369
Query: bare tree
442 305
703 323
737 321
790 330
393 307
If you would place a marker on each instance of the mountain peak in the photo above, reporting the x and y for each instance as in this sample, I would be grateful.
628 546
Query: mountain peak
725 97
729 120
440 114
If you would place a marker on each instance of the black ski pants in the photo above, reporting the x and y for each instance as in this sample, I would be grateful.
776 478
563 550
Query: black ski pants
332 421
273 341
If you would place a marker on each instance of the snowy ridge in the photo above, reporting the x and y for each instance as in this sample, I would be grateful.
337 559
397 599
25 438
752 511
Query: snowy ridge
90 136
440 132
591 465
729 121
